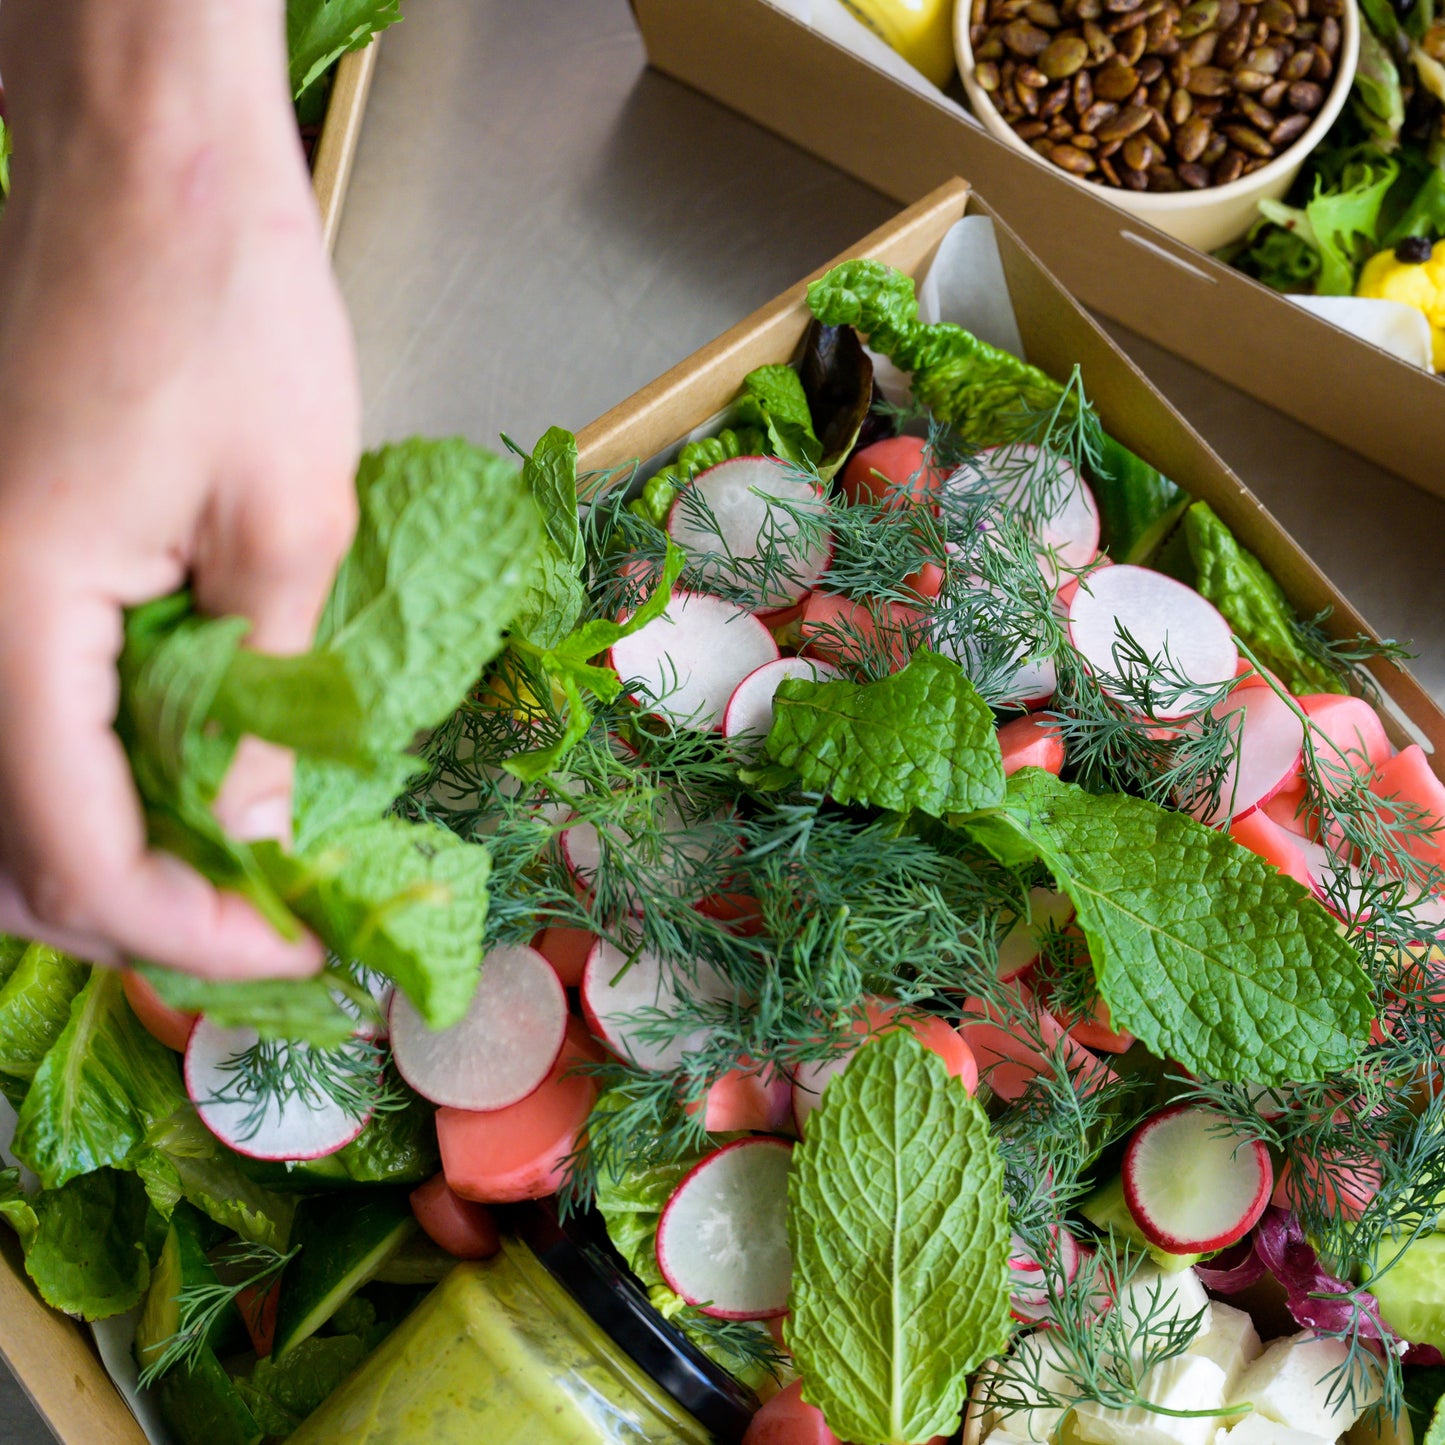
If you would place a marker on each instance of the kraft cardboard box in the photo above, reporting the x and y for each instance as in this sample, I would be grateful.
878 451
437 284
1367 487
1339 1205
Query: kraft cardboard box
53 1356
751 56
340 134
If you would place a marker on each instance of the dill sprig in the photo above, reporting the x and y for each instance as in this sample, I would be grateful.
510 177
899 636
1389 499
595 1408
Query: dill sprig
1348 657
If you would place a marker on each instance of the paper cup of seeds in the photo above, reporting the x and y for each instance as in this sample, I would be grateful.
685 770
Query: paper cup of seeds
1187 113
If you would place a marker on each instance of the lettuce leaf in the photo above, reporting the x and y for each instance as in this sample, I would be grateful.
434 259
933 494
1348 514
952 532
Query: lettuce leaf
772 399
660 490
837 377
15 1209
34 1010
920 738
555 597
1253 603
1205 953
896 1206
87 1255
100 1090
5 149
320 32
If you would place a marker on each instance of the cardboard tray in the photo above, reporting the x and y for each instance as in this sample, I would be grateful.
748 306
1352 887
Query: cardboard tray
52 1355
751 56
340 133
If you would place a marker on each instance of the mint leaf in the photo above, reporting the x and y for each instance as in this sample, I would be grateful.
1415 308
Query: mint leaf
277 1008
556 596
87 1255
408 900
1203 952
99 1091
328 796
34 1010
441 561
922 738
306 703
320 32
899 1231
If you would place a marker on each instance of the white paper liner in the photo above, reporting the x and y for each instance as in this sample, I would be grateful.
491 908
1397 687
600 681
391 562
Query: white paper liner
1391 325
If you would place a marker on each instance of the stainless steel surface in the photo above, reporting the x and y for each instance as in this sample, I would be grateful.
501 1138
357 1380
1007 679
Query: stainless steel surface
538 226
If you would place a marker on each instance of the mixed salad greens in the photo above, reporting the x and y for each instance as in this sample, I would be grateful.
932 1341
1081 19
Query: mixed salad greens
948 757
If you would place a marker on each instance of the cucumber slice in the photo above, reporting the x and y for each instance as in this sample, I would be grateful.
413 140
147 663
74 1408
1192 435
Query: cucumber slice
183 1265
1105 1208
343 1244
203 1407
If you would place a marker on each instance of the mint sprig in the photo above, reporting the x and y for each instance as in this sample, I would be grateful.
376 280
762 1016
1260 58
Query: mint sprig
899 1232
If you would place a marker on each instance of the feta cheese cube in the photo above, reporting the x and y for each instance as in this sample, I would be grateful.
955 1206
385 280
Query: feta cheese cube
1157 1296
1256 1430
1035 1361
1230 1340
1297 1382
1186 1382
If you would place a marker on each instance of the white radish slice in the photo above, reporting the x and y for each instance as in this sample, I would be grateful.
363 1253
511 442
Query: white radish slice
382 991
1191 1183
1028 1282
1267 743
627 1002
504 1047
750 709
729 509
722 1243
684 843
1067 531
687 663
301 1124
1161 615
1020 947
1031 684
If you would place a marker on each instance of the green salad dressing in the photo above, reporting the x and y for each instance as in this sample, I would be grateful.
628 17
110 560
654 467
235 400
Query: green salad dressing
500 1352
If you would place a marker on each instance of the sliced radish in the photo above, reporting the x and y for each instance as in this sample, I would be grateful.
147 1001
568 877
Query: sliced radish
722 1243
750 709
566 949
167 1025
1408 778
877 639
1033 680
1348 735
879 1016
503 1048
1264 837
687 663
465 1229
1031 742
1008 1062
1191 1183
1161 615
895 472
1067 532
1290 808
746 1100
788 1419
1029 1279
1072 584
301 1124
627 1002
1267 737
1019 949
1093 1026
750 505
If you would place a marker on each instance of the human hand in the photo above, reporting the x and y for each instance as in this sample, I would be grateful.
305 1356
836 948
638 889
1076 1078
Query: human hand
178 387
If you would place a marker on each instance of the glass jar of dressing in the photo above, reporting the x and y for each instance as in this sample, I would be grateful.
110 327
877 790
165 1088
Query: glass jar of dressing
548 1343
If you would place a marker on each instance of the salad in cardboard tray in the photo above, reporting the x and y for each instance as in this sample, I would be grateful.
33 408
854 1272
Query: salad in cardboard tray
901 870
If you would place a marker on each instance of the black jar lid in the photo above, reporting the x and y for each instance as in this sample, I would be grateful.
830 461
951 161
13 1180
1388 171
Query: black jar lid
579 1257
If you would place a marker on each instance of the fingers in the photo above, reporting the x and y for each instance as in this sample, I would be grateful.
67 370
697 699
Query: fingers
74 866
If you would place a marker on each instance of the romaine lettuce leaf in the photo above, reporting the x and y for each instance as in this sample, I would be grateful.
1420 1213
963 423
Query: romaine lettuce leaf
15 1209
555 596
34 1009
320 32
898 1223
660 490
772 399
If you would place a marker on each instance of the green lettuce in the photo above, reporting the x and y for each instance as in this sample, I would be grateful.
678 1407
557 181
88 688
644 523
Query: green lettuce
35 1005
5 149
320 32
920 738
1202 951
1253 603
556 596
281 1394
898 1223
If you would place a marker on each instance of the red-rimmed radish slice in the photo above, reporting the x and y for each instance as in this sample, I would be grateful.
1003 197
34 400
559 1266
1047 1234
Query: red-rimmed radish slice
745 505
1192 1183
296 1126
878 1017
722 1243
382 991
1349 736
1019 949
1290 808
1268 736
1072 584
1029 1281
1066 531
1161 615
167 1025
749 712
625 1002
788 1419
688 662
894 472
1344 1188
746 1100
840 630
462 1227
1264 837
1032 683
1408 778
503 1048
566 949
1031 742
1008 1062
507 1155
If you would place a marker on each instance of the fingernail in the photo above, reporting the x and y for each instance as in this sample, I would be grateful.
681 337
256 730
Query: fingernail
266 818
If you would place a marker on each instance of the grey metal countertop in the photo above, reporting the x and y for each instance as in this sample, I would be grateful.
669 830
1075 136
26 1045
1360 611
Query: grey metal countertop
538 225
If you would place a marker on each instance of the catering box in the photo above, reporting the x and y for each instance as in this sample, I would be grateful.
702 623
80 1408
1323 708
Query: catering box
335 151
755 57
54 1357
